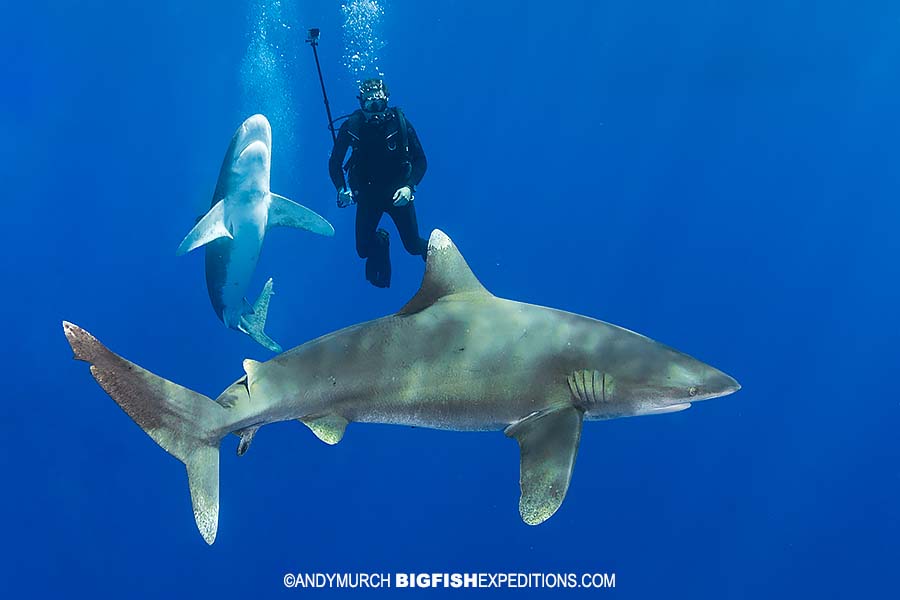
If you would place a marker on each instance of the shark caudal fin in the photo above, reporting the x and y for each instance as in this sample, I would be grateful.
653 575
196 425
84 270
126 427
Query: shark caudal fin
187 425
287 213
254 321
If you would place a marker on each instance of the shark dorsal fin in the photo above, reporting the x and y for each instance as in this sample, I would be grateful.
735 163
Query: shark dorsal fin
446 274
250 368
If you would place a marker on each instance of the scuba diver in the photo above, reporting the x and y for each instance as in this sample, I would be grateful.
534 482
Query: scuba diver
386 165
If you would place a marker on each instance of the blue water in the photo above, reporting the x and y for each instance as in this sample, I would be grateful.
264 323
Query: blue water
722 177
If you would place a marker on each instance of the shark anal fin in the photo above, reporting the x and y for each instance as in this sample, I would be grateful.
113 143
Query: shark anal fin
548 444
253 322
328 428
446 273
211 227
287 213
246 438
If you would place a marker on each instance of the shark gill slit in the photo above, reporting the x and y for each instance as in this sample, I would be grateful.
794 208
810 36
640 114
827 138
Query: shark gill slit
604 387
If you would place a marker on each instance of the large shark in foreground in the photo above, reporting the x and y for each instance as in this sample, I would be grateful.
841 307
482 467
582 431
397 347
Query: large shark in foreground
243 209
455 357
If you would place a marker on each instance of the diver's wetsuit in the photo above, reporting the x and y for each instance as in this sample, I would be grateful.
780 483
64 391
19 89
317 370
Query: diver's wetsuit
378 167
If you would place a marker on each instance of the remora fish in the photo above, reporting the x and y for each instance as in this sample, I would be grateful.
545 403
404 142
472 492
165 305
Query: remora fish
243 209
455 357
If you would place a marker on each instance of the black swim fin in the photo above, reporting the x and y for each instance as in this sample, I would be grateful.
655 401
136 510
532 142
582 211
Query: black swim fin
378 264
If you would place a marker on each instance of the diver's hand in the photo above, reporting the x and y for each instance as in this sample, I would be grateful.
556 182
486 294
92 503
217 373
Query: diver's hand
403 196
344 198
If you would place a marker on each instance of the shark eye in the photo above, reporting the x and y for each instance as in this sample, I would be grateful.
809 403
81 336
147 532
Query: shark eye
692 391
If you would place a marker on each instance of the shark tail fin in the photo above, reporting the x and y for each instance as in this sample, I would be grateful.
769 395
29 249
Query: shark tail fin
187 425
253 323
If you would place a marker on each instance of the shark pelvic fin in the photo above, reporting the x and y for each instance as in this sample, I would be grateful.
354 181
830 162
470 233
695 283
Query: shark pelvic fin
210 228
329 428
287 213
548 444
253 322
446 274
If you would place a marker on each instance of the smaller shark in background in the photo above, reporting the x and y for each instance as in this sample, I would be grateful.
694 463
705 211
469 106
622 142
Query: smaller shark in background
243 210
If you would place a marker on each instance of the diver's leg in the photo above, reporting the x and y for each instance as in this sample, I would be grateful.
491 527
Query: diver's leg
378 265
373 244
404 218
367 217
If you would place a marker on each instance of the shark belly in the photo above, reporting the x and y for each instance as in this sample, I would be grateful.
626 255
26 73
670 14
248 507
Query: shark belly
230 264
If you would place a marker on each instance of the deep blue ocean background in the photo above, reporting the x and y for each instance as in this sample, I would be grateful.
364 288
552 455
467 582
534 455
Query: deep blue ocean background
722 177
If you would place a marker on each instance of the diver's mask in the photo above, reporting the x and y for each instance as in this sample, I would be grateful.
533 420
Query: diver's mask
374 101
373 96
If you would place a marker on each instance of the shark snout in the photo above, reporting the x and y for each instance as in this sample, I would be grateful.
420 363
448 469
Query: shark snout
718 384
255 129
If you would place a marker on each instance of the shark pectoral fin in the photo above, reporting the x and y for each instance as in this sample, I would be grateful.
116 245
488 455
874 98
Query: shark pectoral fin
548 444
329 429
253 322
446 273
211 227
287 213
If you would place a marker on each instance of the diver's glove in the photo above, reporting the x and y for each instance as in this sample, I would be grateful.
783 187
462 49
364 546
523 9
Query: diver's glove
345 198
403 196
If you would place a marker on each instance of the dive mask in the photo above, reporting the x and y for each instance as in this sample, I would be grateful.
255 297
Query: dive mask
374 101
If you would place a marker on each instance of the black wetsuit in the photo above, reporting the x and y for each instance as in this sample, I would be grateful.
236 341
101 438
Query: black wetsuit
378 167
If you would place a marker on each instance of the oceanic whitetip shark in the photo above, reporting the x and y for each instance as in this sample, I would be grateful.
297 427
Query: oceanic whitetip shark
455 357
243 209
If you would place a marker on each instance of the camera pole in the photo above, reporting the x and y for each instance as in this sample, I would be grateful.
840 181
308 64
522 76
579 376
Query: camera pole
313 40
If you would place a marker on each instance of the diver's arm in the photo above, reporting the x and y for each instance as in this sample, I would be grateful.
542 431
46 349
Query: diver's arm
416 158
336 160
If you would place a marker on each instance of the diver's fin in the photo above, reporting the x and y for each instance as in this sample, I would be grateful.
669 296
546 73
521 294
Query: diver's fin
446 274
329 428
254 322
287 213
211 227
378 263
548 443
187 425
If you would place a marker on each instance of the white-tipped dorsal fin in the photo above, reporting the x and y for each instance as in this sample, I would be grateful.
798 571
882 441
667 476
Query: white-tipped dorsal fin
250 367
446 273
